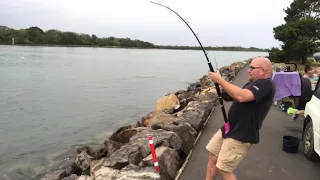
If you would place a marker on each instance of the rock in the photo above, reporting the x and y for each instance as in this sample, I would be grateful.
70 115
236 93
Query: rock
185 95
138 124
123 134
111 146
188 136
169 162
83 160
195 114
167 102
184 130
68 162
85 178
95 165
194 87
194 118
97 151
176 108
105 173
231 75
146 173
71 177
130 172
208 97
73 169
55 175
211 89
138 147
206 82
178 121
155 117
167 127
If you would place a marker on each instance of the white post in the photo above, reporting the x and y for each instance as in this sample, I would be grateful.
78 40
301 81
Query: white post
12 41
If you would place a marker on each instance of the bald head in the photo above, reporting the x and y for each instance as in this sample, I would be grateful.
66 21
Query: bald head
265 63
261 68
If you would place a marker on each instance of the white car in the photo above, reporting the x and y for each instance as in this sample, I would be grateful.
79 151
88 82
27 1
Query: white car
311 127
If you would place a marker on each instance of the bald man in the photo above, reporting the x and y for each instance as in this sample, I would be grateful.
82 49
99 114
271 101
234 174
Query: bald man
250 106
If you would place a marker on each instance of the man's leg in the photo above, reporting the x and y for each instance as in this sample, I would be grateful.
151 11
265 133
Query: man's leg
212 169
227 175
213 147
231 153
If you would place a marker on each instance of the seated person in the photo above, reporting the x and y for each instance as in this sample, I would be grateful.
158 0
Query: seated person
311 76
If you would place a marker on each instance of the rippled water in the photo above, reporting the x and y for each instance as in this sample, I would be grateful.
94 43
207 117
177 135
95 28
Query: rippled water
52 98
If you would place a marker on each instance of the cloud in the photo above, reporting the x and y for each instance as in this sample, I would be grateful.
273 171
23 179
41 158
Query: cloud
219 23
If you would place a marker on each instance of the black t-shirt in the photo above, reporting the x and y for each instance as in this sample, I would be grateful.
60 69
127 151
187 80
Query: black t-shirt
246 118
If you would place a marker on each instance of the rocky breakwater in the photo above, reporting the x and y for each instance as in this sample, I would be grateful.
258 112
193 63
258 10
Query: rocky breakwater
174 125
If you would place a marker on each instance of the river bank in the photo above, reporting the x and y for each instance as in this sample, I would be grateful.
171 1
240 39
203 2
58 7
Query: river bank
174 125
195 48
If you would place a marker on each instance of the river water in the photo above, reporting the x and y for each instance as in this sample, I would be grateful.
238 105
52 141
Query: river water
52 98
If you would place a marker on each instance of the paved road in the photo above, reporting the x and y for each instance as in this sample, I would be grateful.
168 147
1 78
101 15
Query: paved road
266 160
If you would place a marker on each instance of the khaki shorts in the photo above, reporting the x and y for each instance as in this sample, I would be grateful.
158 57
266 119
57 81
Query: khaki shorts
229 151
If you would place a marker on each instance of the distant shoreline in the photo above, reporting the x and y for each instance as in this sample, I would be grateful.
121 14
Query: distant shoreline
119 47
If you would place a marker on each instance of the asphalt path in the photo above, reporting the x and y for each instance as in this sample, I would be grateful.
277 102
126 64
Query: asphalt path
266 160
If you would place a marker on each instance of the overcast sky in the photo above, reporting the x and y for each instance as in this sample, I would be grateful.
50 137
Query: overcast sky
219 22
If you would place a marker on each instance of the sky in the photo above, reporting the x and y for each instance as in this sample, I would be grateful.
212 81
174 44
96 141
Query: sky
246 23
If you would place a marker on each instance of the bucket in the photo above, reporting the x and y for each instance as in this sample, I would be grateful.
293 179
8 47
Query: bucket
290 144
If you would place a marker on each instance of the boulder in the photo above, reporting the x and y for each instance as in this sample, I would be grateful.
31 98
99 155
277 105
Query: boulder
211 89
187 135
167 102
73 169
97 151
157 117
187 95
194 87
208 97
123 134
112 146
169 162
131 172
83 160
95 165
85 178
184 130
55 175
105 173
138 124
72 177
138 147
206 82
167 127
195 114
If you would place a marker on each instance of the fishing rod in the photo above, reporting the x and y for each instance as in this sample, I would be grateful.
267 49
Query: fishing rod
226 122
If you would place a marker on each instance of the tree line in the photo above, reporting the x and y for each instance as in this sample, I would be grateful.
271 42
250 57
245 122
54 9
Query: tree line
36 36
300 34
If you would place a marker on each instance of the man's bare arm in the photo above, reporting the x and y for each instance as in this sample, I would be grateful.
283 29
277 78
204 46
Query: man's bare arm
237 93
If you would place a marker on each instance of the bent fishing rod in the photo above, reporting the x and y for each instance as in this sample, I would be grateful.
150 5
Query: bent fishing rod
226 122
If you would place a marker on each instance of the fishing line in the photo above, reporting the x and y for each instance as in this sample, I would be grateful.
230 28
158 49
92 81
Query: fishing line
226 122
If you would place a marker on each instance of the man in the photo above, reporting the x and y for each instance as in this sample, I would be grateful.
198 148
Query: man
313 77
249 109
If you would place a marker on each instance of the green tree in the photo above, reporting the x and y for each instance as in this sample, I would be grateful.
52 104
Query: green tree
300 33
35 35
53 36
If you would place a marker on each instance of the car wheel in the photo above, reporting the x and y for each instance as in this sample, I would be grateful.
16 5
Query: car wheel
306 94
308 145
